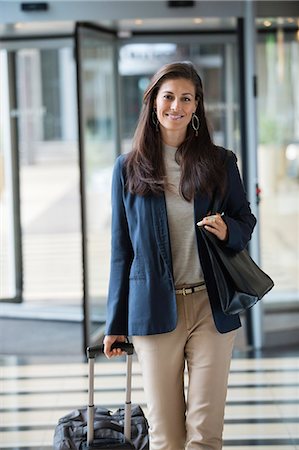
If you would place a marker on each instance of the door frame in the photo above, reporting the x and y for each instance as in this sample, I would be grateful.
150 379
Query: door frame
13 179
107 35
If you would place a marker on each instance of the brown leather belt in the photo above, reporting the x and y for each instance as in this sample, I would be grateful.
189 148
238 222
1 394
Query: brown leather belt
191 289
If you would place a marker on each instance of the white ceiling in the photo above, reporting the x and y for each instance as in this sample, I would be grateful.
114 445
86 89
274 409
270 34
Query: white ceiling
126 26
126 16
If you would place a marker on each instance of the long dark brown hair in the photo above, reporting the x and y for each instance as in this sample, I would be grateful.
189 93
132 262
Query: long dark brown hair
201 166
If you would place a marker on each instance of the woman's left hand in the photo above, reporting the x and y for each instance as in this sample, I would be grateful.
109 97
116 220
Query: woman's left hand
216 225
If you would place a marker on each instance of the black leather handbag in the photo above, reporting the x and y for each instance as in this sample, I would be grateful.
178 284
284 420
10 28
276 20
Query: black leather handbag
239 280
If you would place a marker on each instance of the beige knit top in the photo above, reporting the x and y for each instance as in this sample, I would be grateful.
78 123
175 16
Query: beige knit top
186 265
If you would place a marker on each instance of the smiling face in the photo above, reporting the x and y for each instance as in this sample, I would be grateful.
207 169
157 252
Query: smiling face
175 103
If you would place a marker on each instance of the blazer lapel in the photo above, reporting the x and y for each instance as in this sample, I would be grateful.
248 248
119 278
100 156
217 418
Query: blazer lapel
202 205
159 214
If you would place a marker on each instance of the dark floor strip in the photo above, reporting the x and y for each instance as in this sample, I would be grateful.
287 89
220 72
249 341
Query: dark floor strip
294 401
139 389
123 374
143 405
282 370
262 420
37 447
230 443
19 428
263 385
256 442
59 408
63 376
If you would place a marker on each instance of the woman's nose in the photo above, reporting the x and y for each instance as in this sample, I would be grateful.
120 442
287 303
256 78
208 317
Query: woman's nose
174 105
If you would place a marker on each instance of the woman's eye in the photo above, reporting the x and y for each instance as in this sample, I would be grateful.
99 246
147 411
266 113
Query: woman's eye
167 97
187 99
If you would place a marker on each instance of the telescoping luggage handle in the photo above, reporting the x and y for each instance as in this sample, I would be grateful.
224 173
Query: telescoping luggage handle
92 352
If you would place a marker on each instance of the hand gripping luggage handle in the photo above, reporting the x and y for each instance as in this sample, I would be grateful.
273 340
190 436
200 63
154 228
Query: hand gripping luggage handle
92 352
95 350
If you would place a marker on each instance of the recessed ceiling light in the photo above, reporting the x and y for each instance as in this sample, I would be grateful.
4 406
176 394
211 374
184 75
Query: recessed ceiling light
198 20
267 23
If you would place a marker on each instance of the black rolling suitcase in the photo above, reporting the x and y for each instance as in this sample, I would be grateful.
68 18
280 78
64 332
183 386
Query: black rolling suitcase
96 428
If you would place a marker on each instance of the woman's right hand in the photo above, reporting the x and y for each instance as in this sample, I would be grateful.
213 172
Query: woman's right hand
108 341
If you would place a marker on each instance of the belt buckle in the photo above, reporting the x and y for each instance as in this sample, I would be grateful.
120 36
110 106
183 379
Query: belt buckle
185 290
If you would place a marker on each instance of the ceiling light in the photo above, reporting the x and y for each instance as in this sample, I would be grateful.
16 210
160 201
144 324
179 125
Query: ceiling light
138 22
18 25
198 20
267 23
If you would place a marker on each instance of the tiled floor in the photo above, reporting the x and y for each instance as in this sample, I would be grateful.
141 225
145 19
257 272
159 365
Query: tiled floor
262 405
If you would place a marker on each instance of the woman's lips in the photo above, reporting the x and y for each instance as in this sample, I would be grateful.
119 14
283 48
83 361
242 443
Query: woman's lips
174 116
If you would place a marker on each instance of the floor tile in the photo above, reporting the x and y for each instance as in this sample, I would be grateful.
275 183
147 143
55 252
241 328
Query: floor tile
262 403
261 447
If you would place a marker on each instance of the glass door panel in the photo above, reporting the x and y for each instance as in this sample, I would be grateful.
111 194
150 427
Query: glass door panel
96 70
278 155
49 176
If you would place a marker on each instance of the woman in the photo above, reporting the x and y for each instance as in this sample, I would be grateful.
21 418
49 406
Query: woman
162 290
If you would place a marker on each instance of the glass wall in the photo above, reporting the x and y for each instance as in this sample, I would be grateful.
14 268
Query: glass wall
278 157
216 61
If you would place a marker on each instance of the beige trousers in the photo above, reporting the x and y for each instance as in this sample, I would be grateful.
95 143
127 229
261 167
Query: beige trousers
191 420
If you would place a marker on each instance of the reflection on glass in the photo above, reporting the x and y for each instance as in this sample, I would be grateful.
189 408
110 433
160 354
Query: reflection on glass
278 112
99 131
216 64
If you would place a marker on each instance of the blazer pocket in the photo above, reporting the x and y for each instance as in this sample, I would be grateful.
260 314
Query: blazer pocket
137 271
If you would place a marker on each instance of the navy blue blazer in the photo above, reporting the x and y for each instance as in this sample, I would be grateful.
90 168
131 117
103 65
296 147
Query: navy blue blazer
141 297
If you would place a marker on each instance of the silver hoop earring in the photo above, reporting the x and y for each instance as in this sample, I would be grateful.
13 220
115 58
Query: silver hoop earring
195 122
155 120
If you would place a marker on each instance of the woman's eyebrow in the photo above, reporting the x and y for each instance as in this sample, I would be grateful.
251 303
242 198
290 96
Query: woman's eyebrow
184 93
